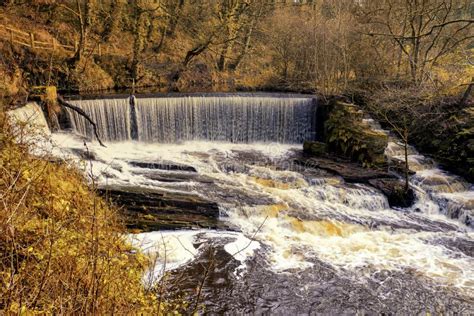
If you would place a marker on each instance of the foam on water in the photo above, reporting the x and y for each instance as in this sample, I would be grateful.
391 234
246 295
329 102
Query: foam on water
171 249
438 191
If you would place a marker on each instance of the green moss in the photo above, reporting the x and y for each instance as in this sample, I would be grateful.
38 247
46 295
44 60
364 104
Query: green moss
315 148
346 134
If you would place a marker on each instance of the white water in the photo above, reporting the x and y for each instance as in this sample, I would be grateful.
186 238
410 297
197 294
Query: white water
32 115
445 193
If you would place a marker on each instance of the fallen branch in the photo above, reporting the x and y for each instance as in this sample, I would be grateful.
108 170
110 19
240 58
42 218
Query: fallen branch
82 113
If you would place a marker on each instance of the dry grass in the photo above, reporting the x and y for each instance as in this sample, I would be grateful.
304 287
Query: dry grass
61 247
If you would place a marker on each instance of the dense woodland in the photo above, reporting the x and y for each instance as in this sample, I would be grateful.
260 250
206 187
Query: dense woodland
410 63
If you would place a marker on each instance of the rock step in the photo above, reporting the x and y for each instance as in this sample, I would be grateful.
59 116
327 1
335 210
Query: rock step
147 210
162 165
173 176
387 183
349 171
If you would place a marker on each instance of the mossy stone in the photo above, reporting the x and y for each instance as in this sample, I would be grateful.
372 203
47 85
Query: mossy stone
317 149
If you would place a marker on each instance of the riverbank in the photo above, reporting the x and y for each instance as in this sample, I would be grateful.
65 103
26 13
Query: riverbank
63 247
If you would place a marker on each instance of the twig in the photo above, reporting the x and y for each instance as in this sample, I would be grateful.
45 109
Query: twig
201 285
253 236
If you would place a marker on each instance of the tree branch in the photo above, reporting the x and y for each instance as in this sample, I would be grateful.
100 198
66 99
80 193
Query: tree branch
83 114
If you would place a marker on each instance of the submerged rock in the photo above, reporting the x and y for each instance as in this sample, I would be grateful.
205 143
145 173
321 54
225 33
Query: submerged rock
84 154
399 167
165 176
395 192
163 165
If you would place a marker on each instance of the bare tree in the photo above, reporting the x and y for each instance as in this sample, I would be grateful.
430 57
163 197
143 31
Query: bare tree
423 31
83 13
402 110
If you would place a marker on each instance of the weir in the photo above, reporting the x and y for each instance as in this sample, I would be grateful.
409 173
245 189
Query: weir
32 114
112 117
232 118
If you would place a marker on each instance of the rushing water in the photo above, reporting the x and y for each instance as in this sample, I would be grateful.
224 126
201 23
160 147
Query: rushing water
236 118
302 241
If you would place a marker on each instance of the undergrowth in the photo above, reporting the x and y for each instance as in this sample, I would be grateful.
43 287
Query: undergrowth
62 248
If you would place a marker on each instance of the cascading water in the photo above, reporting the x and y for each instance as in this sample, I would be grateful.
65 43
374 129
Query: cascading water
112 117
32 114
242 119
303 241
235 119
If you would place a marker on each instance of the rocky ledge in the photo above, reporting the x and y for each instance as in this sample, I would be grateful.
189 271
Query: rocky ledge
151 209
352 172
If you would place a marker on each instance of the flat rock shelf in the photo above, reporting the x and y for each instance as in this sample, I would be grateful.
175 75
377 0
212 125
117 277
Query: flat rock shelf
149 209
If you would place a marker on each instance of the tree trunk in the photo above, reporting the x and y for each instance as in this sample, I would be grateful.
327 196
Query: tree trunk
246 47
171 29
223 56
84 25
407 183
114 20
467 94
137 42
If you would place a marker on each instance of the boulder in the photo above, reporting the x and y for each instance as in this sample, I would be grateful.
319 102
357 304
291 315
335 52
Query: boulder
347 134
394 190
399 167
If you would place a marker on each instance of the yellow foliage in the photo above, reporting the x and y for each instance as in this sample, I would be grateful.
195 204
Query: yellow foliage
453 71
62 248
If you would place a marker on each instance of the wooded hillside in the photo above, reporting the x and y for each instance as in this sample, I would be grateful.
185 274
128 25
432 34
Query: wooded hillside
320 45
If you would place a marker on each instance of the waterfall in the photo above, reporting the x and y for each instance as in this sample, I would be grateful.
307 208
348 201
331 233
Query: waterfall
32 114
112 117
233 118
